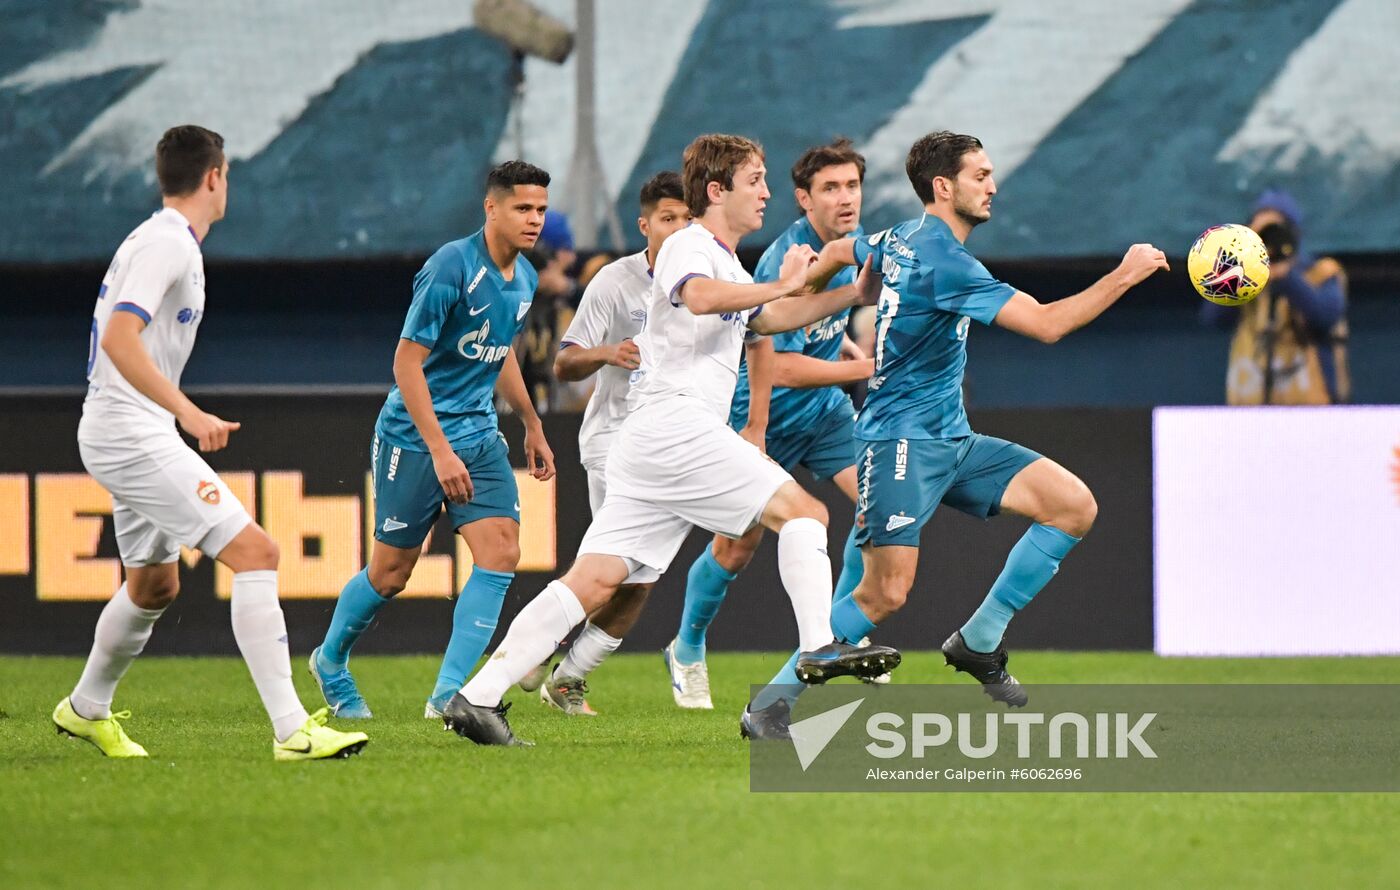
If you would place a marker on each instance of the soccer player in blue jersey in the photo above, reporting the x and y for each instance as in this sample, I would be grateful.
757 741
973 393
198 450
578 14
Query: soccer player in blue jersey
916 449
810 420
437 443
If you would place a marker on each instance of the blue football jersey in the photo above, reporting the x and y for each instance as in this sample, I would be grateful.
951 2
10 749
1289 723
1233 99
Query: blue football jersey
934 289
467 314
793 410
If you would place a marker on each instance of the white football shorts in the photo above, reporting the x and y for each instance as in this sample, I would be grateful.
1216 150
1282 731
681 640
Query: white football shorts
676 465
163 495
597 484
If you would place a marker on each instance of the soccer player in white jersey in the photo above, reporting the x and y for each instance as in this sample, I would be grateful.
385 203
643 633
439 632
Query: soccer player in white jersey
164 495
601 340
676 462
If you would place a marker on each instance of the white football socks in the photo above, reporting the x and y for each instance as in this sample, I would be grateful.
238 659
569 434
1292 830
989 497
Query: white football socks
261 632
588 651
805 568
529 640
122 631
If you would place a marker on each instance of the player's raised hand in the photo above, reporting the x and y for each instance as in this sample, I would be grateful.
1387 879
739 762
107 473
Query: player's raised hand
869 283
539 457
792 275
210 431
1140 261
626 356
453 476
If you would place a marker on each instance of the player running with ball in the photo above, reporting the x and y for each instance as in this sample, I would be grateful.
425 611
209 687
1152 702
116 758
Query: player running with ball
916 449
677 463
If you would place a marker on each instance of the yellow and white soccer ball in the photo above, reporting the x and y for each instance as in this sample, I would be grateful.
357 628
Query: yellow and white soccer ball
1228 265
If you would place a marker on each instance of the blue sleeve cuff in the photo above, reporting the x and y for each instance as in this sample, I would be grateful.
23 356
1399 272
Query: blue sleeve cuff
134 310
679 284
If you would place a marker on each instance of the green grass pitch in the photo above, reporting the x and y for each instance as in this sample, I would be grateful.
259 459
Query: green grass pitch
644 795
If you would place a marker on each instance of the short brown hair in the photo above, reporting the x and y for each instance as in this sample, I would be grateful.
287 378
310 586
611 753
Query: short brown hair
819 157
183 155
713 158
934 155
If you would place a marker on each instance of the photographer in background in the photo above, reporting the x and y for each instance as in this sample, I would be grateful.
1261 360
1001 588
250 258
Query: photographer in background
1289 346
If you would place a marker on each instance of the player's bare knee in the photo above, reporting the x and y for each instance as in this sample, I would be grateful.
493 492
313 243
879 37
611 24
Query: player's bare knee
890 597
252 550
733 555
502 556
263 552
592 588
804 506
388 581
155 591
1079 512
495 543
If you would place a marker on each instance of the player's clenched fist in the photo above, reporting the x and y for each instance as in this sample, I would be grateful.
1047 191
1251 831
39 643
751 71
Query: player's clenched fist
868 284
626 356
210 431
793 272
1140 261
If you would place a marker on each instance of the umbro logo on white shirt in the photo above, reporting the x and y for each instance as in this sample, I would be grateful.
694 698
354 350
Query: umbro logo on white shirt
898 522
392 525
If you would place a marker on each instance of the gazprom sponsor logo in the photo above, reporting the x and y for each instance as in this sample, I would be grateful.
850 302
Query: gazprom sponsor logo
827 330
473 345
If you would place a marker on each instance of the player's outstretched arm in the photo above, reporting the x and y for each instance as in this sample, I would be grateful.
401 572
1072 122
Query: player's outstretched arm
760 355
574 363
122 344
791 313
413 386
793 370
835 256
1049 322
539 457
709 296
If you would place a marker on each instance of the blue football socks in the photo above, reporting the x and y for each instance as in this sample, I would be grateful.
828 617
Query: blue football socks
355 609
473 623
848 623
1032 563
705 588
852 569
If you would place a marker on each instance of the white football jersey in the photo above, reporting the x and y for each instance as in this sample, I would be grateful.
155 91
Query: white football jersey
157 274
684 354
613 308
